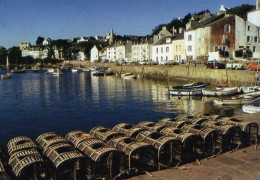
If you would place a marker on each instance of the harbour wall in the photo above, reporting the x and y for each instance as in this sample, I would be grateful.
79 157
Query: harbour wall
182 72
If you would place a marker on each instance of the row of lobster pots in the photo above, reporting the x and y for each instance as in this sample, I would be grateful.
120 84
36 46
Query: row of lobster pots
3 174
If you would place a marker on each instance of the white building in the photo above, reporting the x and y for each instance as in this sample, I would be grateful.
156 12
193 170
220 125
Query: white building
111 53
254 16
35 52
141 51
94 54
46 42
81 56
24 45
162 50
82 39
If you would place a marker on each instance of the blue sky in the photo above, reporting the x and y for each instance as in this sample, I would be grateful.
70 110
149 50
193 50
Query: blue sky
25 20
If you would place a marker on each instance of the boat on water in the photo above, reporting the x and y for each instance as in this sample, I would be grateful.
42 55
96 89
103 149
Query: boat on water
224 92
252 106
109 73
6 76
18 71
221 86
129 76
50 70
235 100
57 72
250 89
192 89
98 73
74 70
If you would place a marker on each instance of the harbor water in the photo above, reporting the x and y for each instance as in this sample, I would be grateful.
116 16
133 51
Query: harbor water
35 103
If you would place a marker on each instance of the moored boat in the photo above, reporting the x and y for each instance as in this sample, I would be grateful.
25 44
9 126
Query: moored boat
57 72
110 73
50 70
250 89
74 70
252 106
129 76
98 74
18 71
224 92
195 85
6 76
237 100
185 92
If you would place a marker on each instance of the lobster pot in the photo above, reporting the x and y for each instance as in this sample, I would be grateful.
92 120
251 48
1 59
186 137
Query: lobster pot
104 134
20 143
151 126
211 138
141 156
192 145
25 160
103 161
213 117
48 139
3 174
65 160
172 122
249 129
198 120
169 149
128 129
231 135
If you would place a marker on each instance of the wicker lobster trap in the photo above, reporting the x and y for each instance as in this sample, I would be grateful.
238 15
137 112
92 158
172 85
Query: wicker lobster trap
25 160
192 145
151 126
104 162
3 173
172 122
230 134
141 156
104 134
63 157
128 129
211 138
249 129
169 149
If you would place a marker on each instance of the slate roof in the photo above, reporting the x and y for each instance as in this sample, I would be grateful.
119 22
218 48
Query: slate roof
163 40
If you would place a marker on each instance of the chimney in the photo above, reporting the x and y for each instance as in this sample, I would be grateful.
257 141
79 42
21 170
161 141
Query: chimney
257 4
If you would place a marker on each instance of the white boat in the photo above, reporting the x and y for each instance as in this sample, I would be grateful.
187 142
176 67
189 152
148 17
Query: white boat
6 76
236 100
250 89
74 70
224 92
185 92
129 76
252 107
57 72
50 70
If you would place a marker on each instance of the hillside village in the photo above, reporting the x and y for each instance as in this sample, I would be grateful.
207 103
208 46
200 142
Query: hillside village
206 37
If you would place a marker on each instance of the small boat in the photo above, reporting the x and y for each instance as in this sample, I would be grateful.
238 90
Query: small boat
98 74
50 70
236 100
110 73
185 92
129 76
6 76
93 68
85 69
221 86
195 85
18 71
224 92
250 89
74 70
57 72
252 106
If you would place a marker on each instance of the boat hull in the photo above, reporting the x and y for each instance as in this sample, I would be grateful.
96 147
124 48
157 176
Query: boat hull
181 92
225 92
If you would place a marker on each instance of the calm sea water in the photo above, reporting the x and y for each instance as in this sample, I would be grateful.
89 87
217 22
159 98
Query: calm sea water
35 103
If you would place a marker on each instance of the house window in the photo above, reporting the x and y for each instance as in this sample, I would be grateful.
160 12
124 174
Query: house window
161 58
227 28
166 58
248 39
156 50
256 39
179 47
157 59
248 28
167 49
176 48
189 37
161 49
254 49
189 48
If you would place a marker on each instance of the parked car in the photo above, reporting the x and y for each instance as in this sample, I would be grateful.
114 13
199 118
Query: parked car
215 65
162 62
143 62
235 65
153 63
254 65
105 61
172 63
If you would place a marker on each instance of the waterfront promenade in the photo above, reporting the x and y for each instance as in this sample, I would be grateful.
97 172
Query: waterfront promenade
182 72
241 164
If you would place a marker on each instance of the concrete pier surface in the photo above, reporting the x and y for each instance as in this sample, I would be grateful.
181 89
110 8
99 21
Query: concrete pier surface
241 164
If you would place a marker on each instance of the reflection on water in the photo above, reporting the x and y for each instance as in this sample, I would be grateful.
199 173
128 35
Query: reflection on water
34 103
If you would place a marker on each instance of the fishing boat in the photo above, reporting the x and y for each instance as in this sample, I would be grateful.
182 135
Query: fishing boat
221 86
252 106
129 76
110 73
185 92
235 100
250 89
98 74
195 85
18 71
74 70
57 72
224 92
50 70
6 76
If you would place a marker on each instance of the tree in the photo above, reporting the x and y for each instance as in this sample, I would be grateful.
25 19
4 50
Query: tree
14 55
3 54
39 41
241 10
